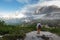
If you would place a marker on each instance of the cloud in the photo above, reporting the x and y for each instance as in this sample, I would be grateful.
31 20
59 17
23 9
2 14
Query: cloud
28 1
29 10
11 16
23 1
57 3
56 0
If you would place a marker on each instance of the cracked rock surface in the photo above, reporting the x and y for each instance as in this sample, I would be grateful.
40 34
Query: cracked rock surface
34 36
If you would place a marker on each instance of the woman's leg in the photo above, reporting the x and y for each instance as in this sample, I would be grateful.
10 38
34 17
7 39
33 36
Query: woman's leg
38 31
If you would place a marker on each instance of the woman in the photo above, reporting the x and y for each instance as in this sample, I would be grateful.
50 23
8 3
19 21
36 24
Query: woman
38 28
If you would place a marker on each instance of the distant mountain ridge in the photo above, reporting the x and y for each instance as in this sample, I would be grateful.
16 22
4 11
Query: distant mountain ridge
52 12
45 13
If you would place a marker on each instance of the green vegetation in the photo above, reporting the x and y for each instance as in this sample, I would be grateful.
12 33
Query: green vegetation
52 30
11 32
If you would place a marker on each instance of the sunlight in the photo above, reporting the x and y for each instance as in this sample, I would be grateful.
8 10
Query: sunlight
13 16
18 16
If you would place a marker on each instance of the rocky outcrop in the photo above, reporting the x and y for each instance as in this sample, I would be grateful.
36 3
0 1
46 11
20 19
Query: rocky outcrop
42 36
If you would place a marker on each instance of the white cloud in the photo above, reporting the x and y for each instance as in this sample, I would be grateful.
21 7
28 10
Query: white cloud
29 1
23 13
56 0
23 1
57 3
10 15
28 8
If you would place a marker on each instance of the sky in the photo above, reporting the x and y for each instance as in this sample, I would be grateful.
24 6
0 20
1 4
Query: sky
8 6
15 7
18 7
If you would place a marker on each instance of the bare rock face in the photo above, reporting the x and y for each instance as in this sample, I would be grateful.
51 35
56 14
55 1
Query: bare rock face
42 36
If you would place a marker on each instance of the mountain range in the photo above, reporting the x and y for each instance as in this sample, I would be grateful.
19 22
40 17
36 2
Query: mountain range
45 13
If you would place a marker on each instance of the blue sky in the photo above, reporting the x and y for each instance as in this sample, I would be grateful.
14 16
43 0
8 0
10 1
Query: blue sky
23 8
13 5
10 6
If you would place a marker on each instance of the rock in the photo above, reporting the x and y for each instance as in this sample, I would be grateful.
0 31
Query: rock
42 36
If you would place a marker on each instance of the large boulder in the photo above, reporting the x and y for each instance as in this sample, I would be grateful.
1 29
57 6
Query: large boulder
42 36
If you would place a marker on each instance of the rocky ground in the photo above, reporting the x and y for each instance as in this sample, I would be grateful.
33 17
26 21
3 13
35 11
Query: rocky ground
34 36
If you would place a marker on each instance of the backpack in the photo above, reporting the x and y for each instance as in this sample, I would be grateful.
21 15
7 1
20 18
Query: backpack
39 26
